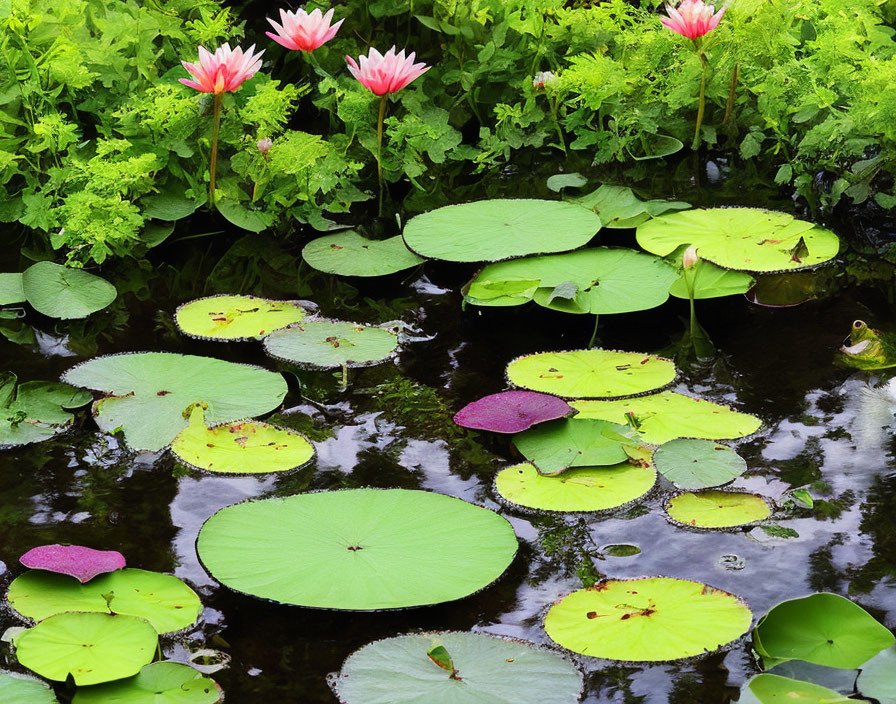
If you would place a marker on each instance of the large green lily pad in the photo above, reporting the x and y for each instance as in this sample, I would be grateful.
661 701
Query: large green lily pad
585 489
490 230
556 446
717 509
773 689
359 549
698 464
11 289
61 292
481 668
647 620
351 254
824 629
746 239
148 393
599 280
591 373
241 447
163 600
878 677
158 683
667 415
36 410
325 344
22 689
91 647
236 317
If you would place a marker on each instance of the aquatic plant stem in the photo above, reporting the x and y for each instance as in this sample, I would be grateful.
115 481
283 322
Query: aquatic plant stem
729 107
213 160
594 333
702 106
344 383
554 107
379 149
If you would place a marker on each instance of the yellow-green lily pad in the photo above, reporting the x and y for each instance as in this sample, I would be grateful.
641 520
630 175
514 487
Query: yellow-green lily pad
717 509
228 317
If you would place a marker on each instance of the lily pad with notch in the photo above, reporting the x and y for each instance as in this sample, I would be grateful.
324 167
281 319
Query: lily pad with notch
35 410
712 509
483 668
491 230
23 689
652 619
357 549
349 253
327 344
698 464
594 373
228 317
62 292
767 688
73 560
148 393
157 683
512 411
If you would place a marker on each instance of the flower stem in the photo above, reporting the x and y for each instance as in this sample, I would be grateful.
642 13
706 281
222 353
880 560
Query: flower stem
554 102
730 106
702 107
379 148
213 161
594 333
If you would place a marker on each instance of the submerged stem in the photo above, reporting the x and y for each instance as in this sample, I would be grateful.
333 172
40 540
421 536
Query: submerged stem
702 106
729 107
379 148
594 333
344 384
213 161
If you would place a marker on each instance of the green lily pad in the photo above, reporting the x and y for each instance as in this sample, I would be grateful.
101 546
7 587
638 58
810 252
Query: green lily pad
60 292
667 415
91 647
22 689
698 464
148 393
325 344
36 410
711 281
350 254
555 446
824 629
599 280
717 509
653 619
169 206
485 668
619 207
241 447
585 489
158 683
162 599
490 230
235 317
878 677
746 239
11 289
358 549
773 689
591 373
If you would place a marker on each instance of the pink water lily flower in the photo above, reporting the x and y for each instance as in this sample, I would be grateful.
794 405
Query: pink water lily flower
224 71
692 18
301 31
386 74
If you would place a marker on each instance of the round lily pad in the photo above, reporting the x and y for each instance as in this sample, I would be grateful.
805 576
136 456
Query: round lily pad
241 447
158 683
667 415
698 464
717 509
11 289
235 317
162 599
556 446
584 489
647 620
824 629
22 689
747 239
474 668
325 344
878 677
73 560
774 689
358 549
36 410
599 280
512 411
490 230
351 254
591 373
61 292
148 393
91 647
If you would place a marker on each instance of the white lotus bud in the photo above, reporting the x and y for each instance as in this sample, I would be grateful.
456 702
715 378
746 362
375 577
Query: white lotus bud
690 257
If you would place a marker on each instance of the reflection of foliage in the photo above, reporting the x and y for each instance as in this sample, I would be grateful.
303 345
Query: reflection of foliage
566 548
879 523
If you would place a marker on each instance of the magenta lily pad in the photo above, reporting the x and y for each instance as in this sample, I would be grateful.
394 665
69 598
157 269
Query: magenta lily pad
74 560
512 411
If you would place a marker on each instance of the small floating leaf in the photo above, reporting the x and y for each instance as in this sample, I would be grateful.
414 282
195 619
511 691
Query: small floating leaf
440 657
74 560
158 683
711 281
512 411
717 509
236 317
91 647
350 254
652 619
556 446
36 410
698 464
621 550
22 689
773 689
619 207
60 292
490 230
325 344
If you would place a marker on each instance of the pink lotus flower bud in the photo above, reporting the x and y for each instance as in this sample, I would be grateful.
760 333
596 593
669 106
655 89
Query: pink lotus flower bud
692 18
690 257
302 31
224 71
543 78
386 74
264 145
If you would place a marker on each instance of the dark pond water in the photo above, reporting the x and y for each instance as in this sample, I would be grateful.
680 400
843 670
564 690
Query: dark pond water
392 428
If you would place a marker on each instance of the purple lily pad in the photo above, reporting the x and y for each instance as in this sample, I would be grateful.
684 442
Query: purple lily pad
74 560
512 411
